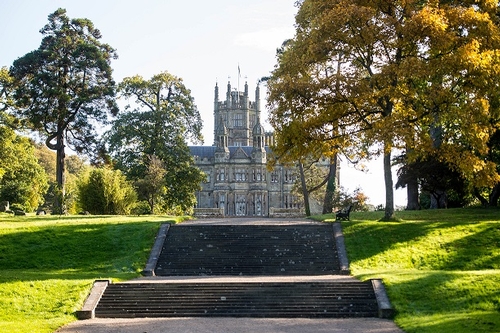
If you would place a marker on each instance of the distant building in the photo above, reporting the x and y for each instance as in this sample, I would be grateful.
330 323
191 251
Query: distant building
236 165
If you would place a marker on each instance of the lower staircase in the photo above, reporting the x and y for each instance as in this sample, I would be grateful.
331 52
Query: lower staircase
276 254
263 300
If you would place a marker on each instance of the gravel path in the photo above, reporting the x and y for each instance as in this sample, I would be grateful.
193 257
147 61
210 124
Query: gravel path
239 325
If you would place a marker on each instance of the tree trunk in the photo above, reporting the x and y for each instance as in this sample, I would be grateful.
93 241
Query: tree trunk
151 202
305 193
59 205
331 186
439 199
495 195
481 198
413 199
389 192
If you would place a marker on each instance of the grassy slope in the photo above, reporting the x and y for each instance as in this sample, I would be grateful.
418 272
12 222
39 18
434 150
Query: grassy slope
441 268
48 264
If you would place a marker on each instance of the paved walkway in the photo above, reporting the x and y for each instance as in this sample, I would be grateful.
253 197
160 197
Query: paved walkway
234 325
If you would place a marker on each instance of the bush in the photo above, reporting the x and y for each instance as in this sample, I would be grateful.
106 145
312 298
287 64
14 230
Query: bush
141 208
106 192
357 199
22 180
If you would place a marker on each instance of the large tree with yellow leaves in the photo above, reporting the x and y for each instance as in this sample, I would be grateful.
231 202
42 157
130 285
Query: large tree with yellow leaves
415 74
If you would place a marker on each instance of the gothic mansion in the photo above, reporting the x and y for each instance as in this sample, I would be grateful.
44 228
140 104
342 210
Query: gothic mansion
238 182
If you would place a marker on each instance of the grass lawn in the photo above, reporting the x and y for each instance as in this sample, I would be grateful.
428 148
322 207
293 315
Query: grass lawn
441 268
48 264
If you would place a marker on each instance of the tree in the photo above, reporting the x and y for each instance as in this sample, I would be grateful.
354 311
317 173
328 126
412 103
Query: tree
152 186
382 74
456 73
74 166
331 186
489 196
335 81
312 177
22 180
105 191
162 119
6 99
65 87
437 179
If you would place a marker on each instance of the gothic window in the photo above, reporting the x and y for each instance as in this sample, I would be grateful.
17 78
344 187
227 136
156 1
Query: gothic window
258 204
240 175
222 200
238 120
252 121
259 175
240 205
274 177
221 175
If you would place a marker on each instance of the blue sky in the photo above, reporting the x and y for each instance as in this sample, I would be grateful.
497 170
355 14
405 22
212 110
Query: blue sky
203 42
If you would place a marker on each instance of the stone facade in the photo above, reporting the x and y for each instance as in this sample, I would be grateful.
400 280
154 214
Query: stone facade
238 180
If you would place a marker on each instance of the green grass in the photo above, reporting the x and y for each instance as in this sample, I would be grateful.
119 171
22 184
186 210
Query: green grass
441 268
48 264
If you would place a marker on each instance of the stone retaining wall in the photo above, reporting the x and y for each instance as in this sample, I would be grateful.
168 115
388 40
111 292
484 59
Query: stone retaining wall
286 212
208 212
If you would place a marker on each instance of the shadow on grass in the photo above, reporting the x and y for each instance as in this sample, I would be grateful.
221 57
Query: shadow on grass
366 240
428 245
478 250
76 251
440 301
484 322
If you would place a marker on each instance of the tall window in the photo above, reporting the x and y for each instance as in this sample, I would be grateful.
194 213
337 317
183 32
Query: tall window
222 201
240 175
252 121
240 205
274 177
221 175
238 120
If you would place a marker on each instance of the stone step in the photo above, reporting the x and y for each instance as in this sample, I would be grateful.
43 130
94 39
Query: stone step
248 250
264 300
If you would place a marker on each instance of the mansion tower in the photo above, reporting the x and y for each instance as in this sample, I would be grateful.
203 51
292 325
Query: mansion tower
236 165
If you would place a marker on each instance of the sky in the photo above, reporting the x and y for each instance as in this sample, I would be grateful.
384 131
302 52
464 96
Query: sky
202 42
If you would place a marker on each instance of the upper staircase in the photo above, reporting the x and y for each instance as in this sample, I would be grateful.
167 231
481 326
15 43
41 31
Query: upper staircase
248 250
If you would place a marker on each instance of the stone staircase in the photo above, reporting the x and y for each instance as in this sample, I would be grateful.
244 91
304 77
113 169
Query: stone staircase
278 271
248 250
263 300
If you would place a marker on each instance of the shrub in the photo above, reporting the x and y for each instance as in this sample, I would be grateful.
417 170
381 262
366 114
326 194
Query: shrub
105 191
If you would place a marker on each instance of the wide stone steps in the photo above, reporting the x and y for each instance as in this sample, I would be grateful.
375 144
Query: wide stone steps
248 250
250 299
265 271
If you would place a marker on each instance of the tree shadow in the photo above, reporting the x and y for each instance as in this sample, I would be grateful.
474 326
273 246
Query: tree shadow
477 251
75 251
366 240
447 302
